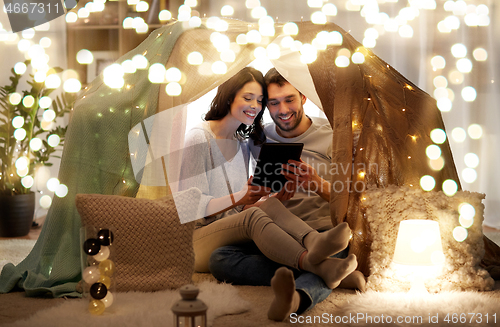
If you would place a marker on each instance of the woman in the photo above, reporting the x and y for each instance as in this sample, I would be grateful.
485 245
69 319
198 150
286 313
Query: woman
236 217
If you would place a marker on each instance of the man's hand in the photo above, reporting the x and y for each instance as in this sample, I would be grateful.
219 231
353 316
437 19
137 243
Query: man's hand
306 177
287 192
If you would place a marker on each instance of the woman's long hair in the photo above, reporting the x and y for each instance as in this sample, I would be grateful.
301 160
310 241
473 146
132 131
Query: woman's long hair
221 104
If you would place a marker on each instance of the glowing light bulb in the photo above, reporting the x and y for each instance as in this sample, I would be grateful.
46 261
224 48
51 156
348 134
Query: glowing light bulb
173 74
71 17
469 94
52 184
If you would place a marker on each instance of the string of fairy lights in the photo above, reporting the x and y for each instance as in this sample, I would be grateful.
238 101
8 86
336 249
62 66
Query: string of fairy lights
449 73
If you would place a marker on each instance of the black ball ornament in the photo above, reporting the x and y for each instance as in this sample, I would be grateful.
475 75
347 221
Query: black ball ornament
91 246
105 237
98 291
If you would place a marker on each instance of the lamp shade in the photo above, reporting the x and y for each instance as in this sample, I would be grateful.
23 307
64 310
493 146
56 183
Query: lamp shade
418 243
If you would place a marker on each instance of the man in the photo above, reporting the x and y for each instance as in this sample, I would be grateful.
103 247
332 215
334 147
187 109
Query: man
244 264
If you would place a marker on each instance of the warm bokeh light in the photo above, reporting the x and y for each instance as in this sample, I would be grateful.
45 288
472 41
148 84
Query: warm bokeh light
459 234
469 175
475 131
427 183
471 160
450 187
438 136
458 134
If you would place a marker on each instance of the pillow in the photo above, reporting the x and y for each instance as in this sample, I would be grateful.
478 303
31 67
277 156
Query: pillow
386 207
153 250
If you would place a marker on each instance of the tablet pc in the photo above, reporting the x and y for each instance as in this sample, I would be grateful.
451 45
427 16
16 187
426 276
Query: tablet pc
268 169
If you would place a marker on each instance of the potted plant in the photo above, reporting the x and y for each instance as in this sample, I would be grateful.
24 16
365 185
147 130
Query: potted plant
29 137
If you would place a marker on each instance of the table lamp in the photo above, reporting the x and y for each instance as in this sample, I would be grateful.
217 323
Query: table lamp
419 252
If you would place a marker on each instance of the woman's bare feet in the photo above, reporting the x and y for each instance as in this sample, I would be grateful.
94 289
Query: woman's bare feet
286 298
355 280
322 245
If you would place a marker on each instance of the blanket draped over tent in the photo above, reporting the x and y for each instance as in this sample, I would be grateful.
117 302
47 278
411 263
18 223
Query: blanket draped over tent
381 123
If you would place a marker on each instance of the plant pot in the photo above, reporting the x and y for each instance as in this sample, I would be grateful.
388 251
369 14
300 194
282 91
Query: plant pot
16 214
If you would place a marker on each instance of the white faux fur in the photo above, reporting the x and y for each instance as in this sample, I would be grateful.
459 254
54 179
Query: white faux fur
386 207
136 309
14 250
462 308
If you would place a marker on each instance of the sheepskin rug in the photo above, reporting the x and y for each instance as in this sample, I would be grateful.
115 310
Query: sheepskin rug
138 309
402 309
386 207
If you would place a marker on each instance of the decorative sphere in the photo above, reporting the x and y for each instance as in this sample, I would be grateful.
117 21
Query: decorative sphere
105 280
98 291
105 237
91 274
108 299
91 246
103 254
96 307
107 268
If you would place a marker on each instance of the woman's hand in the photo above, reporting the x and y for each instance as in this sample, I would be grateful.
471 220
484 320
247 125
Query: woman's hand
251 193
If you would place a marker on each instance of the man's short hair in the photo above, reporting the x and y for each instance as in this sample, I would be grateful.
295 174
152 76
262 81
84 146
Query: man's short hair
272 76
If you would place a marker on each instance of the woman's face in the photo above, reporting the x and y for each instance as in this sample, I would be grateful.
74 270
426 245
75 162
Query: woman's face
247 103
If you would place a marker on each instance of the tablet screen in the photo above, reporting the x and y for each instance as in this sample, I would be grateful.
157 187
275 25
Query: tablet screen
268 169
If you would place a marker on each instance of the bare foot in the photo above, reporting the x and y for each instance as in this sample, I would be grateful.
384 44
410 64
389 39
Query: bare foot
355 280
332 270
286 298
322 245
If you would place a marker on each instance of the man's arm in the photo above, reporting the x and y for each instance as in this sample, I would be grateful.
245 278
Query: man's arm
307 177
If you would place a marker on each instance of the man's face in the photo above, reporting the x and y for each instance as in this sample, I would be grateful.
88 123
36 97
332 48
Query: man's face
286 109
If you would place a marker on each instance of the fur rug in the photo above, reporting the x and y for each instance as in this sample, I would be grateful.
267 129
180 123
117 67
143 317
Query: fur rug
14 250
401 309
136 309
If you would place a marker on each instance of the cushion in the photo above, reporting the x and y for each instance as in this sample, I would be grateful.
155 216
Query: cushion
385 207
152 249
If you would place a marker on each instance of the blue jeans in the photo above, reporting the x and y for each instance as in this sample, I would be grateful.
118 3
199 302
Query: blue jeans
246 265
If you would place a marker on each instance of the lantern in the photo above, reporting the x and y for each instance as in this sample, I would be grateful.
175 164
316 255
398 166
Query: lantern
189 311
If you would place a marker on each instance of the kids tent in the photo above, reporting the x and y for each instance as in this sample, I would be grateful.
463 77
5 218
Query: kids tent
380 120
